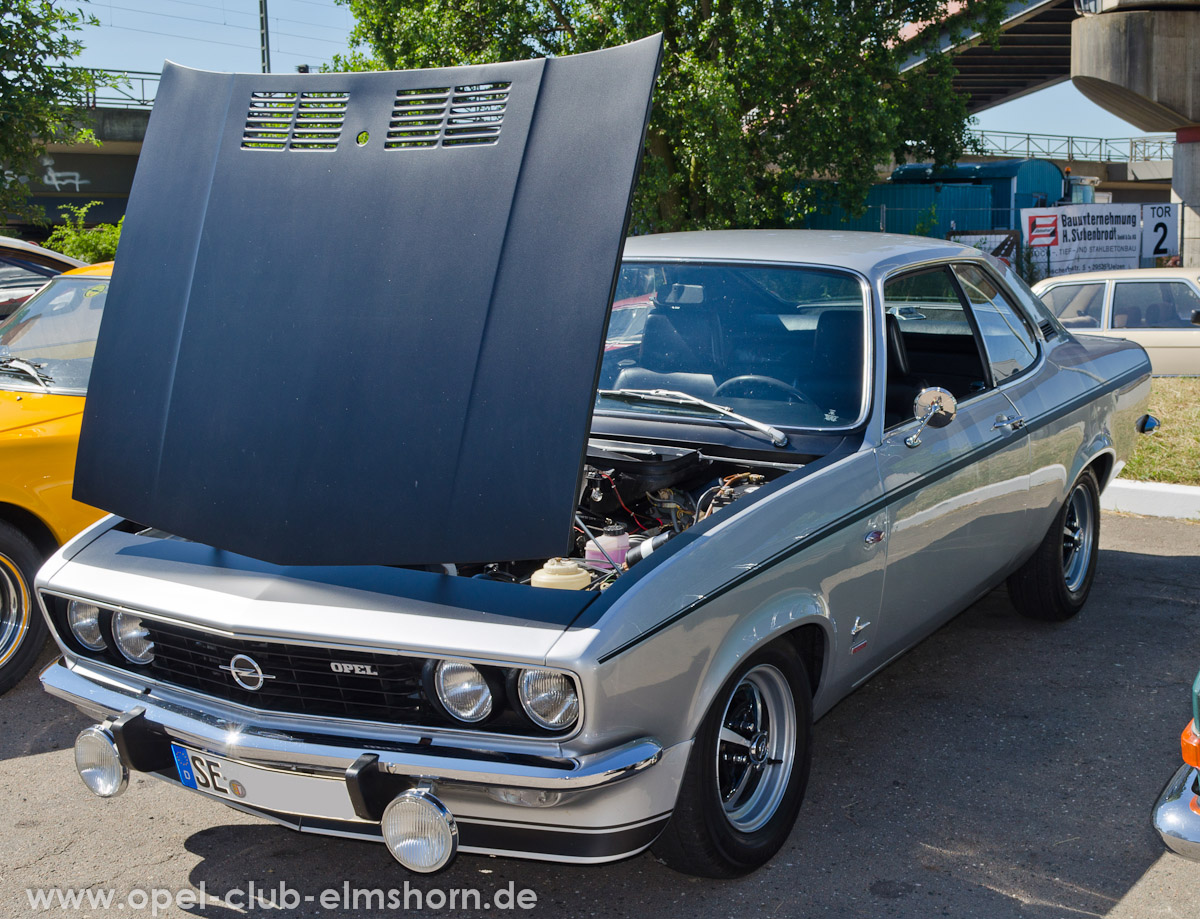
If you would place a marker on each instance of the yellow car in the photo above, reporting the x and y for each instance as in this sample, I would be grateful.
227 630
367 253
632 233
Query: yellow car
46 350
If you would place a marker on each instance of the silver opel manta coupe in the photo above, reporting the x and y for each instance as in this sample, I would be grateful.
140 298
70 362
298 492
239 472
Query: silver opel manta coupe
404 548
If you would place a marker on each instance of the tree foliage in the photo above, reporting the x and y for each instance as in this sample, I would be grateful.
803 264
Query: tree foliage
41 100
757 99
88 244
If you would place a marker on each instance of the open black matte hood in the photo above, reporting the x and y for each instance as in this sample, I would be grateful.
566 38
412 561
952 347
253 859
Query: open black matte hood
358 318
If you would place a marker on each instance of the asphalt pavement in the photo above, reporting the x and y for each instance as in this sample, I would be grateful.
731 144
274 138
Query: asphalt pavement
1003 768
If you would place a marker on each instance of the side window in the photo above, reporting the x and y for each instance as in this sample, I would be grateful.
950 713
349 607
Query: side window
1077 306
1153 305
1010 343
930 341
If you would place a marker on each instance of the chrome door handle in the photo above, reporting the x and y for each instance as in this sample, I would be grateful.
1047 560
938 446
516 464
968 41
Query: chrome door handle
1011 423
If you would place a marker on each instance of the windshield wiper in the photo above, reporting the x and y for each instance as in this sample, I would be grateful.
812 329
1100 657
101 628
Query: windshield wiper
16 365
674 397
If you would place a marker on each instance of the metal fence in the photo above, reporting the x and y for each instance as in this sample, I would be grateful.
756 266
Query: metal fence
1069 148
133 89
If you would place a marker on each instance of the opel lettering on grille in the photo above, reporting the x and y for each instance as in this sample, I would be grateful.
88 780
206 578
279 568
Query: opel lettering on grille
359 669
246 672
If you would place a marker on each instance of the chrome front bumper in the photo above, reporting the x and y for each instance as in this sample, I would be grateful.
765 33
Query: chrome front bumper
227 734
1177 813
588 808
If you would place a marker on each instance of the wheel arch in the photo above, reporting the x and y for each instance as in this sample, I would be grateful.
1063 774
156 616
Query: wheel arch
798 618
34 528
1102 464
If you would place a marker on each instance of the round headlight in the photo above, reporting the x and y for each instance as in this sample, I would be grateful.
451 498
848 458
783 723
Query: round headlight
549 698
463 691
84 620
99 763
133 638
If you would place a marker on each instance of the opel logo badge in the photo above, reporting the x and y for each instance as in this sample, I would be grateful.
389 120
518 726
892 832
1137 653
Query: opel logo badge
246 672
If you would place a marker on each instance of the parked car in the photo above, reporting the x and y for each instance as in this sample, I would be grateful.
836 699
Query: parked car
25 268
1177 813
403 571
806 485
45 356
1152 306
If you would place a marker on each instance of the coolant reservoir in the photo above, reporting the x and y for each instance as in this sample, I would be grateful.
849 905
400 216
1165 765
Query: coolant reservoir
563 573
614 540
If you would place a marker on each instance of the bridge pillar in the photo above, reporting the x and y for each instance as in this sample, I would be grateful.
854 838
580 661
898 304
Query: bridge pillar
1143 66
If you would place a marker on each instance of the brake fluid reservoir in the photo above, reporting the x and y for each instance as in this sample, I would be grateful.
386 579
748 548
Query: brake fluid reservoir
563 573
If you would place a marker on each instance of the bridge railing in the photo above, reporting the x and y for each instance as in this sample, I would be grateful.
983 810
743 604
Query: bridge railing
1070 147
123 88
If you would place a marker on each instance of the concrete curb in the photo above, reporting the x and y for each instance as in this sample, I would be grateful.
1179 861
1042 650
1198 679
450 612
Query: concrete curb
1152 499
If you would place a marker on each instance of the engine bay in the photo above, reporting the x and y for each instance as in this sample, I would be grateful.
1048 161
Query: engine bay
633 499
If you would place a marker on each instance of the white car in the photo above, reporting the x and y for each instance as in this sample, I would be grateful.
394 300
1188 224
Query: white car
1152 306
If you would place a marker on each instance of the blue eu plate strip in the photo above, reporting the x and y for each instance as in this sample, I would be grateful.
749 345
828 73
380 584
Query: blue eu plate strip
183 766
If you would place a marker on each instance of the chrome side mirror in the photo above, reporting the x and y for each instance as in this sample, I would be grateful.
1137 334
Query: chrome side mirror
1195 317
934 407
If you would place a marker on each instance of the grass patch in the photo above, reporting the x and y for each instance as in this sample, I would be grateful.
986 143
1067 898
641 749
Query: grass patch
1172 454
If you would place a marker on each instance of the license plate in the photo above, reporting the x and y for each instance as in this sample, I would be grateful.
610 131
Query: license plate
291 793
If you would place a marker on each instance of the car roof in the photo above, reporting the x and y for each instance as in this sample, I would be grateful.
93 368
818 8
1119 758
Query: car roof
98 270
867 253
1123 274
20 245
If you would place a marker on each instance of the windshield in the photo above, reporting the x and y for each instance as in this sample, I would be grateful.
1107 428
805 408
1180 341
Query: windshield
781 345
55 331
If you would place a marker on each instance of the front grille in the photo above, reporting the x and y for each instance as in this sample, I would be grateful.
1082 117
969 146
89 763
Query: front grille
303 681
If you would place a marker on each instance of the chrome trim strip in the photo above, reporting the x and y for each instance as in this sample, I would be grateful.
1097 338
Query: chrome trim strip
1173 817
207 729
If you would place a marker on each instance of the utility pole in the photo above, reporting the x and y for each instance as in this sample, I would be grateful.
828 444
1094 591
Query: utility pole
265 38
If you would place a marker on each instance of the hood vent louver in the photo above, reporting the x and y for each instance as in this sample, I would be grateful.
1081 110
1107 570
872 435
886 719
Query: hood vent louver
294 121
459 116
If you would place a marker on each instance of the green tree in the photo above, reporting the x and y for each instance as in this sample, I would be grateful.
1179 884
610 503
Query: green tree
89 244
757 99
41 100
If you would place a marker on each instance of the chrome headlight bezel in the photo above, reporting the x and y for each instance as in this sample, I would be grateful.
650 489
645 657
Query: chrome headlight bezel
84 619
134 647
535 688
452 680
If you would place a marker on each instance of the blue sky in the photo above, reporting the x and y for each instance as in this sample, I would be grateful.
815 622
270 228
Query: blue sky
223 35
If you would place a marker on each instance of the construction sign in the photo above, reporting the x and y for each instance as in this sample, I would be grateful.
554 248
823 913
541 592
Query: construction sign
1084 237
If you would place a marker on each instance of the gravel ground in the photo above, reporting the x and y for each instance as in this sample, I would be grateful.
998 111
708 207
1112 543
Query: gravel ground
1001 769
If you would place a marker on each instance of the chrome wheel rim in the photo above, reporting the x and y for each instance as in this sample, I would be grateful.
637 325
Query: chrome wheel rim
755 748
1079 532
14 609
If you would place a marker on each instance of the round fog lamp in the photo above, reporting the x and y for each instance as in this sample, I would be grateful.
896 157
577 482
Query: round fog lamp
84 620
133 638
549 698
99 763
419 831
463 691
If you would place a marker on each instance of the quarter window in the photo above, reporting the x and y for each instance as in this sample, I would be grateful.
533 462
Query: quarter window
1153 305
1077 306
1010 344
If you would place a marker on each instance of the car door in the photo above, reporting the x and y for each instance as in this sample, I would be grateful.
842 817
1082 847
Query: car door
957 496
1157 314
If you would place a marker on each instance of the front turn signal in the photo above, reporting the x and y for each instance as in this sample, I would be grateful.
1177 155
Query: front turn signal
1190 741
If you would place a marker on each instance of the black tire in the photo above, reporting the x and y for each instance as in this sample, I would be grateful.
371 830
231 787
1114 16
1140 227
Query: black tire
716 834
22 627
1054 584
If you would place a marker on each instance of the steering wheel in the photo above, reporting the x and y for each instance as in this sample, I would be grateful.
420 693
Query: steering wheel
747 383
